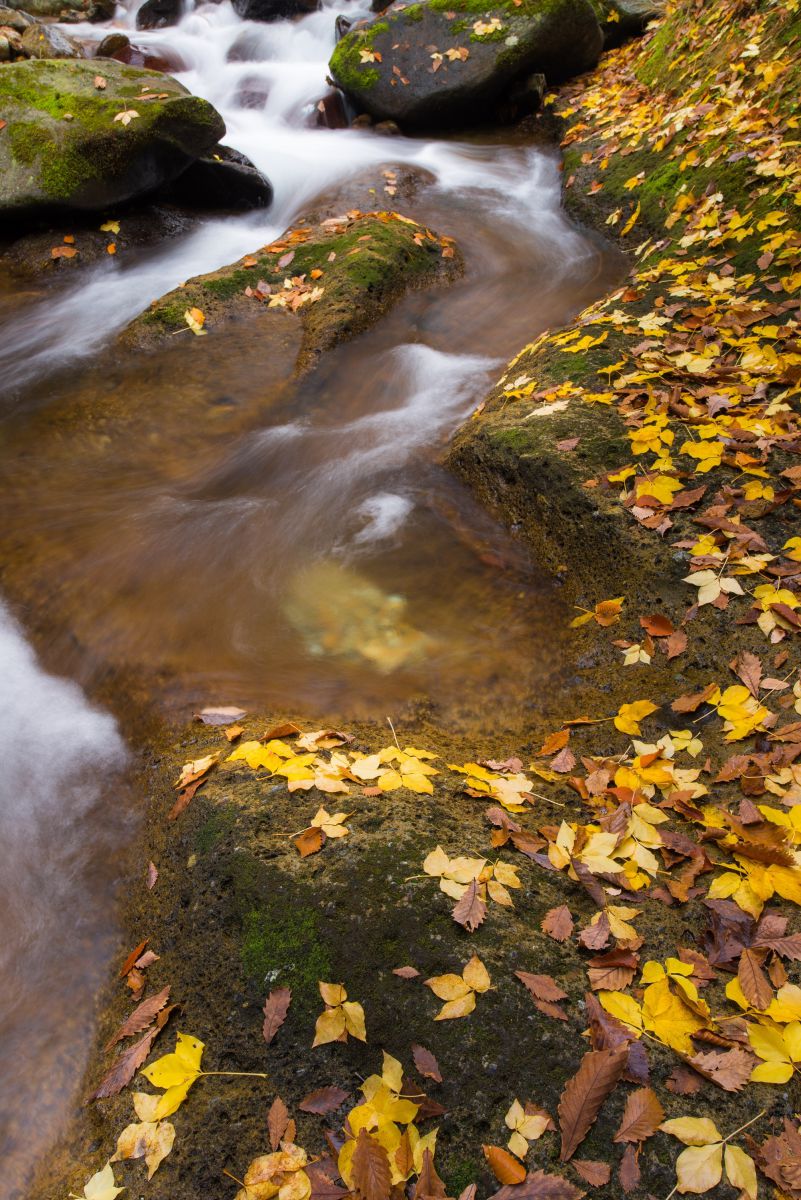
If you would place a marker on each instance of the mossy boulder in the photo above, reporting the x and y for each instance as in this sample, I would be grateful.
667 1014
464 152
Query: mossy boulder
439 64
71 146
335 278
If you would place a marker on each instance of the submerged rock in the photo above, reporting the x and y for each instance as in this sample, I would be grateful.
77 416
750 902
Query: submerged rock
224 179
340 613
70 145
438 63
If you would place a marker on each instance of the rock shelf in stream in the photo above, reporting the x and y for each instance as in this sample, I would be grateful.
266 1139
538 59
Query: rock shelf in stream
439 63
336 277
79 136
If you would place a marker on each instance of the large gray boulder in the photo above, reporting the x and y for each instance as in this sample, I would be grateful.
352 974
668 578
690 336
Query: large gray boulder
48 41
440 63
71 145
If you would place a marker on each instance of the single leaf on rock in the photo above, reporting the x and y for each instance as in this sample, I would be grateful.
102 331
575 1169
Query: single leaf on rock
730 1070
629 1169
581 1100
406 972
545 993
276 1007
151 1140
102 1185
277 1121
753 980
596 1174
641 1118
125 1067
310 841
370 1169
505 1167
426 1063
141 1017
471 909
539 1186
323 1100
558 923
132 957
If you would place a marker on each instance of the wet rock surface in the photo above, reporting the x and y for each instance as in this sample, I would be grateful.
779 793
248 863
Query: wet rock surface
71 145
434 64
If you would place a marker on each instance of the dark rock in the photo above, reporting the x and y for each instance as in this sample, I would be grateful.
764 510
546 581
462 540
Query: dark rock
622 19
342 25
363 121
330 112
272 10
66 10
65 147
406 83
522 99
157 14
113 45
388 128
137 56
224 179
47 41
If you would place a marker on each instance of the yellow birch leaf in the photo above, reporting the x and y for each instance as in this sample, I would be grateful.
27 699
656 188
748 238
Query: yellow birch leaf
741 1171
448 987
693 1131
354 1020
329 1027
699 1168
476 975
457 1008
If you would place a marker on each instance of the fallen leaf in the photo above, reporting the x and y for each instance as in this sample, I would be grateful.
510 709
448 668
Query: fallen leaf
505 1167
324 1100
558 923
275 1010
426 1063
600 1071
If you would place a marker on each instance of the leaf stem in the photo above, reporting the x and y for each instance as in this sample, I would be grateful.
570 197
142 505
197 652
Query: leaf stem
729 1136
243 1074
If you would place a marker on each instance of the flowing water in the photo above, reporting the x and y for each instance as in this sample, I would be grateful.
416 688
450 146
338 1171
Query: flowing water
245 546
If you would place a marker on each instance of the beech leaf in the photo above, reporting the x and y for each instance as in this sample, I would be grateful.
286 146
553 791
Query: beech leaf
581 1100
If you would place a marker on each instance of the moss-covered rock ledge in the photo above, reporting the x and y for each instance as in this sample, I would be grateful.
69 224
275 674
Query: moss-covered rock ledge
336 277
607 441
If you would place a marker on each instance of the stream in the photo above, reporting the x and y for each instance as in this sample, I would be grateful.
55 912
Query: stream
309 557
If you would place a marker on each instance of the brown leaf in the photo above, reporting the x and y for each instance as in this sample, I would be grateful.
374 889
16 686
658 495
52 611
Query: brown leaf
184 798
629 1169
553 743
426 1064
675 645
220 715
146 960
468 1193
275 1009
428 1183
141 1017
323 1101
613 971
595 937
557 923
683 1082
539 1186
370 1169
152 876
323 1186
788 947
132 957
730 1069
471 909
641 1118
310 841
406 972
565 761
277 1121
658 626
753 980
597 1174
748 668
584 1094
505 1167
284 729
689 703
542 987
125 1067
404 1154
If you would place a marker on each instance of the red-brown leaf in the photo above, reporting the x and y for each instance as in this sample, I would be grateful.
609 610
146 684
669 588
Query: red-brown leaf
310 841
125 1067
323 1101
753 980
323 1186
584 1094
539 1186
730 1069
426 1064
132 957
141 1017
277 1121
372 1179
557 923
542 987
275 1009
641 1118
429 1185
629 1170
406 972
597 1174
471 909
